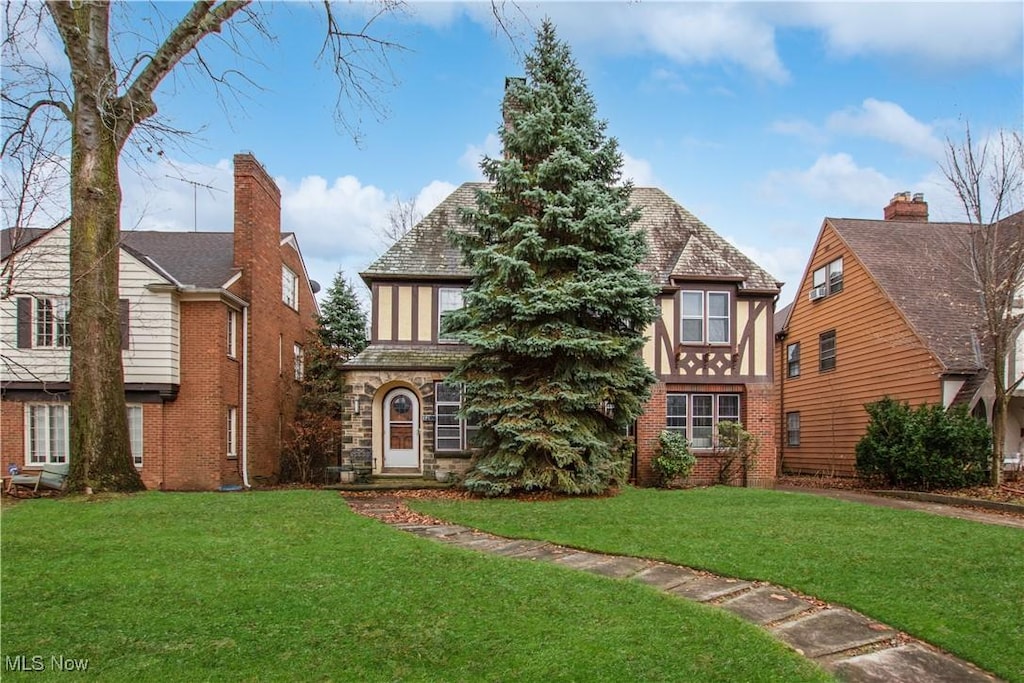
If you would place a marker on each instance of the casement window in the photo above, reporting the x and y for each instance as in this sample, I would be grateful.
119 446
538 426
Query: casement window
300 362
232 432
696 416
706 317
827 280
448 299
45 322
792 429
46 433
827 351
232 333
135 433
793 360
451 433
289 288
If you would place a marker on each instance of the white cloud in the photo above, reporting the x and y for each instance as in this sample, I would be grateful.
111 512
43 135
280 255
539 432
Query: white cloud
786 264
887 121
470 159
937 33
833 178
432 195
338 222
638 170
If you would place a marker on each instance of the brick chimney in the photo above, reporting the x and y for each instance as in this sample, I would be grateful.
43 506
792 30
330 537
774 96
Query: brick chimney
906 207
257 216
508 103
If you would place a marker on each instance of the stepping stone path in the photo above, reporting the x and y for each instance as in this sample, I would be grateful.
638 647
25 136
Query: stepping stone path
850 645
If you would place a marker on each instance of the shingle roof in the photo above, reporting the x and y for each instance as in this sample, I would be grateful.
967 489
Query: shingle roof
12 239
203 259
432 357
680 245
920 267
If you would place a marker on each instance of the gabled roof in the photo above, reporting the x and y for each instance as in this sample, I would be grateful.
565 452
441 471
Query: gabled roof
15 239
921 269
681 247
202 259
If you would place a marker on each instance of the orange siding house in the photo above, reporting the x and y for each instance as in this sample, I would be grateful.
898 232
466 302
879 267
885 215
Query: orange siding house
884 308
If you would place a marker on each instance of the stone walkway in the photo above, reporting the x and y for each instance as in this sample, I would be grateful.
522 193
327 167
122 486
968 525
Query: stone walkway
850 645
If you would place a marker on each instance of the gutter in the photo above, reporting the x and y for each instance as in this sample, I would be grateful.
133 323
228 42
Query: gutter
245 397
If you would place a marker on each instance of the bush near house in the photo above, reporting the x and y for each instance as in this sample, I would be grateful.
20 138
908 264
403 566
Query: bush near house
924 448
674 459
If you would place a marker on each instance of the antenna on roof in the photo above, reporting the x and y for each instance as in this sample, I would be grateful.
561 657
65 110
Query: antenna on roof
195 187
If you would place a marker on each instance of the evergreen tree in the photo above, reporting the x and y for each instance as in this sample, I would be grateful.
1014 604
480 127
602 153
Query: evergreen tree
558 306
342 321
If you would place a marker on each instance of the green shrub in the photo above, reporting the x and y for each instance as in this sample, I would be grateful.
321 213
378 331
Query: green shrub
674 459
923 448
735 449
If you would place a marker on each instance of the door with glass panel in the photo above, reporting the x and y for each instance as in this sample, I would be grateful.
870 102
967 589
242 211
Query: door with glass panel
401 430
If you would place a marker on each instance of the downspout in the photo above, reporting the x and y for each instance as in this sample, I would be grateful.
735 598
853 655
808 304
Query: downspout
245 397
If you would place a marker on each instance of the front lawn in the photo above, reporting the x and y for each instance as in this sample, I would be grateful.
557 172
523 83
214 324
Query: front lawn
956 584
292 586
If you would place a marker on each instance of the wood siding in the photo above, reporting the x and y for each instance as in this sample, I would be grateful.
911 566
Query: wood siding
877 354
42 269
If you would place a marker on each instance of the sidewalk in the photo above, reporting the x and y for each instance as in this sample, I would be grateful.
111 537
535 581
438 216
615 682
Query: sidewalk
846 643
935 508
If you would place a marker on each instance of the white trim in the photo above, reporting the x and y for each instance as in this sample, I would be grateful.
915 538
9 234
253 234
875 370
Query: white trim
414 421
232 280
47 453
142 434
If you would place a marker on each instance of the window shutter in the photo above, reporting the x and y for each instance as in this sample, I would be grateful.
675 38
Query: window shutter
24 322
125 323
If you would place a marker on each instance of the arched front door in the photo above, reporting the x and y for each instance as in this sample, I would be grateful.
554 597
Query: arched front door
401 429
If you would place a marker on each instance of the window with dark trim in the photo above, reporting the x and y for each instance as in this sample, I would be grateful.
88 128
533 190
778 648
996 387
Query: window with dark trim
827 351
451 432
697 416
793 429
793 360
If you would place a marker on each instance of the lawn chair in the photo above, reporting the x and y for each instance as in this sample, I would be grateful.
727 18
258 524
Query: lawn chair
51 478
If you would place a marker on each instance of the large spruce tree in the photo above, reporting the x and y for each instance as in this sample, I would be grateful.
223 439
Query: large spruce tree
342 321
558 306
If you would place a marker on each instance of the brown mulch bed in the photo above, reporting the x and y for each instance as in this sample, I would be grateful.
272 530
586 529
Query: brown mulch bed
1009 492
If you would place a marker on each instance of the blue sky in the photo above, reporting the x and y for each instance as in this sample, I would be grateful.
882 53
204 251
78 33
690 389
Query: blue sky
760 118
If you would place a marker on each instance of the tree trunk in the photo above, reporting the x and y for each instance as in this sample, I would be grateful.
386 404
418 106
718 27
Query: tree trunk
998 436
101 457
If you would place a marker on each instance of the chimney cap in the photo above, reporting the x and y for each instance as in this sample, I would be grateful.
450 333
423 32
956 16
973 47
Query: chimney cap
919 197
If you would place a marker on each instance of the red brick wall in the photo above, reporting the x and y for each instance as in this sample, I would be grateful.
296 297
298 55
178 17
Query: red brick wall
758 410
12 434
274 327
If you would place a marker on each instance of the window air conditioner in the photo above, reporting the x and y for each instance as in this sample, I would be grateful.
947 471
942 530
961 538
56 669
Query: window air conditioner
819 292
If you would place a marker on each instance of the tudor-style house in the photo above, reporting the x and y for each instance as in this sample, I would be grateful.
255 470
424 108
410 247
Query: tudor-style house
212 327
711 348
885 308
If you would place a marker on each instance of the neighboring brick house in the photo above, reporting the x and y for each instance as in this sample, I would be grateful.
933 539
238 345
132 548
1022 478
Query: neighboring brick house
213 325
711 347
885 307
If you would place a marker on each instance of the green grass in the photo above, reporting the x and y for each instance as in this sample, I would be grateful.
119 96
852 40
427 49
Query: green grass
292 586
956 584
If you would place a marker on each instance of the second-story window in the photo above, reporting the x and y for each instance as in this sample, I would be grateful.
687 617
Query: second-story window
52 323
448 299
706 318
828 279
289 288
827 351
300 363
232 333
793 360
